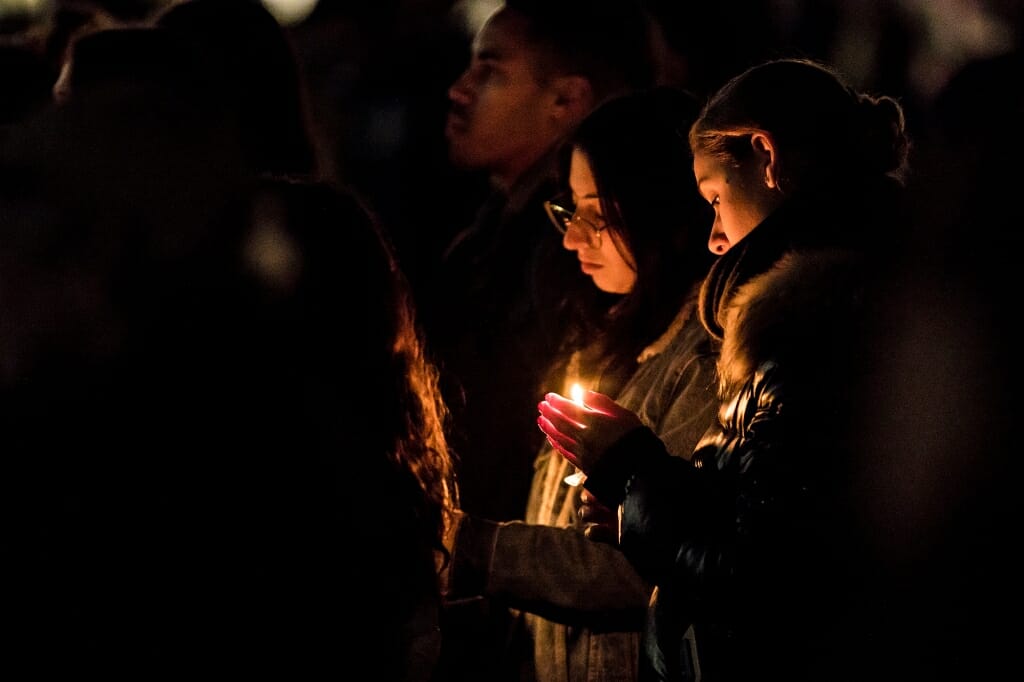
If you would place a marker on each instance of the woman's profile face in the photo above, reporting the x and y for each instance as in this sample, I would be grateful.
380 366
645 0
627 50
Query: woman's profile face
740 194
606 260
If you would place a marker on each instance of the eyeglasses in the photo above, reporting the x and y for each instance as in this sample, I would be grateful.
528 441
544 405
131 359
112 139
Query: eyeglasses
563 218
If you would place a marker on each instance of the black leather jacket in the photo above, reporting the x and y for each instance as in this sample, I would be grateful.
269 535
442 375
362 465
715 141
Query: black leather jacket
757 540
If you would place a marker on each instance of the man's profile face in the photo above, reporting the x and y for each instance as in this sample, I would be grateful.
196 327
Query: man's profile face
499 119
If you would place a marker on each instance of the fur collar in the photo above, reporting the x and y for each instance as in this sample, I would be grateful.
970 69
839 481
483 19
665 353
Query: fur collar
790 312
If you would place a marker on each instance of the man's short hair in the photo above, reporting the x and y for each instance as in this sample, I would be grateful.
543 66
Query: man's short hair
605 41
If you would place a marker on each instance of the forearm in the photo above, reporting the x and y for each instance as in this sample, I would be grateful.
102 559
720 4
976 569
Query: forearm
668 506
556 573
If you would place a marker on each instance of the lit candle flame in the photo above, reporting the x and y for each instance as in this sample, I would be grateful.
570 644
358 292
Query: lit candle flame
576 392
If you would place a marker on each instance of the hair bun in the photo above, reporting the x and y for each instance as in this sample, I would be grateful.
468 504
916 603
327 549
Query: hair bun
883 140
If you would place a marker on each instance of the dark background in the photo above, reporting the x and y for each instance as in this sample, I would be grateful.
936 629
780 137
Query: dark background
377 73
948 496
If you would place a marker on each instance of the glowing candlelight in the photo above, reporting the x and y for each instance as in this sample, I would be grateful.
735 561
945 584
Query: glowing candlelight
576 392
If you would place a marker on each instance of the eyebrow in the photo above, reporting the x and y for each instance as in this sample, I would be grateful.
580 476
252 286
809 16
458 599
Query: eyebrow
700 185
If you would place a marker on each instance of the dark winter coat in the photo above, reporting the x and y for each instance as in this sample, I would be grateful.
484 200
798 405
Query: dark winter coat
756 540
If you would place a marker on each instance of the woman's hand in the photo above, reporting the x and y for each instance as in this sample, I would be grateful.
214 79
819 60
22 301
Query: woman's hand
583 432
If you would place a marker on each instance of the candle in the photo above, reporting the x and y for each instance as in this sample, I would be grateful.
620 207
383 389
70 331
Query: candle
574 479
576 392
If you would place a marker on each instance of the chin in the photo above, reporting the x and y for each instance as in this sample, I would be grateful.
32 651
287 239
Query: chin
460 156
611 288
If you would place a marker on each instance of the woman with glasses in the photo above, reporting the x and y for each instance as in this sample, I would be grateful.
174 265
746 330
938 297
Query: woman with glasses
632 215
762 540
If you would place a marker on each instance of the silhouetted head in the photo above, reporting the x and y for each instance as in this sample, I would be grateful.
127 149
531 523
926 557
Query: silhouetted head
249 55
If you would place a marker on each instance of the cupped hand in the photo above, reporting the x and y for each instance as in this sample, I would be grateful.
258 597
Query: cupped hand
582 433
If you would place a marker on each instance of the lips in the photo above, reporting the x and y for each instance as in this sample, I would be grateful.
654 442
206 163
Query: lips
589 268
455 124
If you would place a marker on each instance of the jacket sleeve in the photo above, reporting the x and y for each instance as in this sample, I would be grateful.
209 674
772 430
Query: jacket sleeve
665 500
556 573
722 522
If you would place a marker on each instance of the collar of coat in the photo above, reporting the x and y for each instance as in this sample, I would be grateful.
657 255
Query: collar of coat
801 310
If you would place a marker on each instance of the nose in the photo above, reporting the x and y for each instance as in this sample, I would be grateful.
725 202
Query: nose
575 237
460 91
718 243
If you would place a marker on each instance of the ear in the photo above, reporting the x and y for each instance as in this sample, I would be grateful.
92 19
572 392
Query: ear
573 99
764 151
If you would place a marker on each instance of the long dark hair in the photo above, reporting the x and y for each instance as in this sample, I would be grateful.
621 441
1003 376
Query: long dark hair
637 149
349 271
